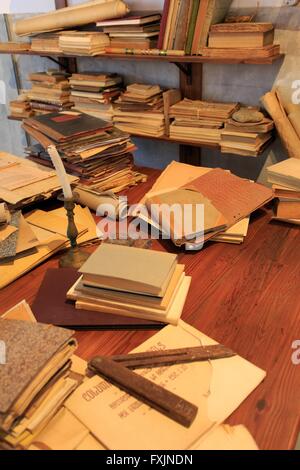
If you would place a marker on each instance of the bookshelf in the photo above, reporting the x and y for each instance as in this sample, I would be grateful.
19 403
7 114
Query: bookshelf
191 81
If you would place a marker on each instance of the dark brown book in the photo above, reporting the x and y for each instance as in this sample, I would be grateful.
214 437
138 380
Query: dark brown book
64 126
50 306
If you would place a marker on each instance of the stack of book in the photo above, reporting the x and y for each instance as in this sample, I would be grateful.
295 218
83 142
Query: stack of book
47 42
83 43
20 109
140 110
36 379
241 40
92 149
94 93
185 24
138 30
199 121
285 178
132 282
246 138
50 92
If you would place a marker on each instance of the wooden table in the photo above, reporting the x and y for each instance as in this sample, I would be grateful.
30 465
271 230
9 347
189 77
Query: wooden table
246 297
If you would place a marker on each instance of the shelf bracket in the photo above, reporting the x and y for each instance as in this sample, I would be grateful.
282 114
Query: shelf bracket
186 69
63 65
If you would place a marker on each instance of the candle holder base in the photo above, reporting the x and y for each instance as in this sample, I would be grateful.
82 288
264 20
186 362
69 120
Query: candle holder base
74 258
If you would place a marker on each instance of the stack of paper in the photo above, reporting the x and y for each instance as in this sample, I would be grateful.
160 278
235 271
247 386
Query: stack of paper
50 92
23 182
47 42
241 40
21 108
246 138
36 377
94 93
138 30
92 149
39 236
132 282
83 43
140 110
285 177
199 121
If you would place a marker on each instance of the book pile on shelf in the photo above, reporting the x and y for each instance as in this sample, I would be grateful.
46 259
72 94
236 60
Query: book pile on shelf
285 178
46 43
241 40
199 121
94 93
91 149
140 110
37 377
115 280
50 92
228 202
83 43
248 132
20 108
185 25
138 30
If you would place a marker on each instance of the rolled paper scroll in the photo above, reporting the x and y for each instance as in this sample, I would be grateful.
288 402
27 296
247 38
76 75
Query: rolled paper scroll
93 201
286 131
70 17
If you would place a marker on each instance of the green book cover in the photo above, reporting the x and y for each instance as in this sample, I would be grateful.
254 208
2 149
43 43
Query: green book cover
192 26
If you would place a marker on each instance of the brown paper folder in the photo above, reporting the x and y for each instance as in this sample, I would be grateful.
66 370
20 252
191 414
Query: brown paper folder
51 306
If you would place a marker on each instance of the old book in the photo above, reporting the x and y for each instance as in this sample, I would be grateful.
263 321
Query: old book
288 209
123 268
182 26
192 26
285 173
133 18
163 25
246 53
202 384
44 351
239 35
210 13
285 192
57 310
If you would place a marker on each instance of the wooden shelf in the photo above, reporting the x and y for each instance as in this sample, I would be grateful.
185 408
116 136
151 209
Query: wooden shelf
171 59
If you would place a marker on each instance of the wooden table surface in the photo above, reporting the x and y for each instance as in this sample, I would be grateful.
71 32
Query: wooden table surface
246 297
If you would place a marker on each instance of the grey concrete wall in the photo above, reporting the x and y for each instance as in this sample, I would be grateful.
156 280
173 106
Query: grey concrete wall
245 83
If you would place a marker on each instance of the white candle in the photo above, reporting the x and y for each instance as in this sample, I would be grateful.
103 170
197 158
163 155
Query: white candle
61 172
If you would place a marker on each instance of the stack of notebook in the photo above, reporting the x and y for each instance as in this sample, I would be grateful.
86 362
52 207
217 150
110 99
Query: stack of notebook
92 149
285 177
138 30
50 92
246 138
185 24
83 43
20 109
140 110
132 282
199 121
242 40
94 93
35 380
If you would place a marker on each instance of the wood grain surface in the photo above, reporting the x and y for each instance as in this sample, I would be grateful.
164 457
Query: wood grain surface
246 297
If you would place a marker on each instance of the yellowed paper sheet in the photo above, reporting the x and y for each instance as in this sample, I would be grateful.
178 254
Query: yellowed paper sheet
21 311
26 237
18 176
52 223
6 232
217 388
227 438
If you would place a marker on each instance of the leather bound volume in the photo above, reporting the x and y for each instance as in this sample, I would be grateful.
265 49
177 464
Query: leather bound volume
192 26
163 24
50 306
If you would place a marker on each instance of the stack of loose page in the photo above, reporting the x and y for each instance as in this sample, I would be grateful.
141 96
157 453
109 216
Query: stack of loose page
23 182
140 110
199 121
83 43
94 93
36 378
285 177
133 282
91 148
